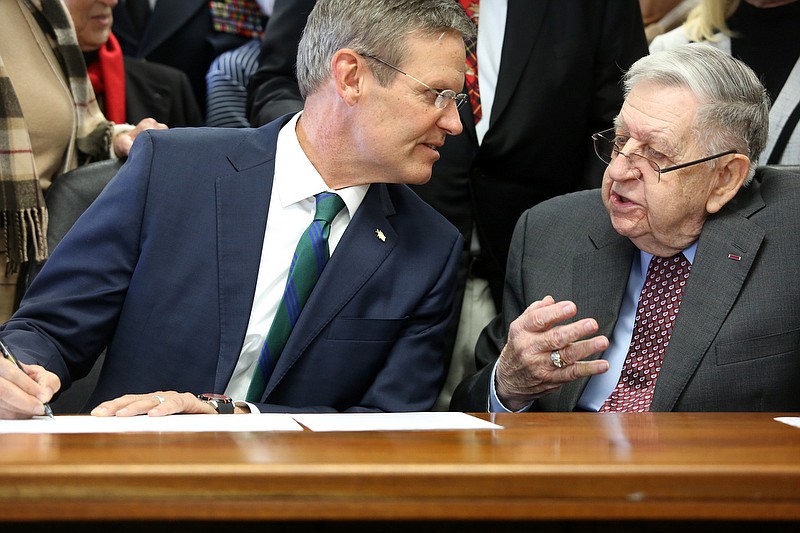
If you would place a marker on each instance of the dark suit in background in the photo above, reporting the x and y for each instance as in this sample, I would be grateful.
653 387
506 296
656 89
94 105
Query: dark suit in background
180 33
161 92
272 90
558 83
736 341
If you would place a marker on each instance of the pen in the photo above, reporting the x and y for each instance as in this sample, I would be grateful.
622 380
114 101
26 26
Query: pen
10 356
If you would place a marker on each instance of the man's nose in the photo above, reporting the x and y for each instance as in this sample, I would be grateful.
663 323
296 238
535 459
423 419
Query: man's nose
622 168
450 120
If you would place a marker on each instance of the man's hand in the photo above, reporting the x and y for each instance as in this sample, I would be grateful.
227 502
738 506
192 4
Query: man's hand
526 371
159 403
23 393
124 141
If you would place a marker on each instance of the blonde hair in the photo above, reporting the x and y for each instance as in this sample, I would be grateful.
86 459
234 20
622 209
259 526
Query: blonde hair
708 19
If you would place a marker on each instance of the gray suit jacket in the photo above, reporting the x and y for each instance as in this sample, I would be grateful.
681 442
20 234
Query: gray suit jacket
735 345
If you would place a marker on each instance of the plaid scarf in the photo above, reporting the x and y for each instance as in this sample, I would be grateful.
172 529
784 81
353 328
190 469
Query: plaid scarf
24 215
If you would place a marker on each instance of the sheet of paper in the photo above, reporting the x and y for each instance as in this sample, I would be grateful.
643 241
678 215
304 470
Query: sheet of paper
391 421
166 424
791 420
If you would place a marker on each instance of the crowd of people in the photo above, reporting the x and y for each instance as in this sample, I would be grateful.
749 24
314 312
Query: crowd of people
340 205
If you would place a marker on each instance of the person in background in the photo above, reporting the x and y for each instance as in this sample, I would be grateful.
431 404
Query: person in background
272 90
548 76
227 79
657 292
661 16
185 34
129 90
49 124
197 265
763 34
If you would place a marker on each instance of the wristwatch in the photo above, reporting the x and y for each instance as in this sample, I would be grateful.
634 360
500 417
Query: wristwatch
221 403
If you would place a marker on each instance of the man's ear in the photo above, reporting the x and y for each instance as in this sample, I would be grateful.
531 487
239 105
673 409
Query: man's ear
347 71
730 174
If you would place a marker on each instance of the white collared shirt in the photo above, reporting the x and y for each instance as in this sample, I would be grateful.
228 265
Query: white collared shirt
491 34
291 210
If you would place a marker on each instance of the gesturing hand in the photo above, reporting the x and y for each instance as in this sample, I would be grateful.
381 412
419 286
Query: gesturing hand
526 370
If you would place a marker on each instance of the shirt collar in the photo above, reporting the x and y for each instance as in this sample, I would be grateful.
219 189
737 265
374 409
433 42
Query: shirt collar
688 253
296 178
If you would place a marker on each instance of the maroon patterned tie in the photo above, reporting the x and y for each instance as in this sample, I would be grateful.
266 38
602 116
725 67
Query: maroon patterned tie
472 7
658 306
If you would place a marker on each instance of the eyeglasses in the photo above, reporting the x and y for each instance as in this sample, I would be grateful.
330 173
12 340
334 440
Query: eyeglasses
443 98
607 147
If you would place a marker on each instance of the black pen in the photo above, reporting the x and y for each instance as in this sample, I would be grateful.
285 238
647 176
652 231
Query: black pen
10 356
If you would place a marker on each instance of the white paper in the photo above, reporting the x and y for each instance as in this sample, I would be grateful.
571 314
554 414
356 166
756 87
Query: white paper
392 421
144 423
791 420
254 422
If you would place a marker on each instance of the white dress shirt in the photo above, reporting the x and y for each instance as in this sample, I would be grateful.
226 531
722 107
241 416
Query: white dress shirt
491 33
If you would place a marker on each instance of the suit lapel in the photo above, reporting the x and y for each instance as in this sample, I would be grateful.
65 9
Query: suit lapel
599 280
518 45
726 250
168 17
356 258
242 206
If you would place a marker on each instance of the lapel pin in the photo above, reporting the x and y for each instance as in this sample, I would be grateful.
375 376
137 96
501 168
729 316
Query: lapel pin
735 257
380 235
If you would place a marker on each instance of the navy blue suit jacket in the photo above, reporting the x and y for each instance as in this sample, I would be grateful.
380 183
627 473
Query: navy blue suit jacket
162 269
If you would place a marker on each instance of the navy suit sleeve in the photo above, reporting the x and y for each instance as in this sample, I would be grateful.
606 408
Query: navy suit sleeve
70 311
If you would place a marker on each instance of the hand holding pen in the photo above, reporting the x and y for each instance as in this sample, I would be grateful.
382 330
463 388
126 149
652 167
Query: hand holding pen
8 355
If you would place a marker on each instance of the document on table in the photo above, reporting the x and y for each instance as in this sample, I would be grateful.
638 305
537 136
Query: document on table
791 420
261 422
164 424
392 421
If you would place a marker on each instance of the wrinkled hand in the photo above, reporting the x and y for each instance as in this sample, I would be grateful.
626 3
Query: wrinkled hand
526 372
23 393
124 141
159 403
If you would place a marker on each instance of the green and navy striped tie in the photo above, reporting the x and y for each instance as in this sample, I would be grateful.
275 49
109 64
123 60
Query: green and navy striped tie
310 257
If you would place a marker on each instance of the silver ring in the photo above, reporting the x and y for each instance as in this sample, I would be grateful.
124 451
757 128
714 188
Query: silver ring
159 398
555 357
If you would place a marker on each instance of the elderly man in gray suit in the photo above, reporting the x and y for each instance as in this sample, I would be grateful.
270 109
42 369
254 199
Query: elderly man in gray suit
674 287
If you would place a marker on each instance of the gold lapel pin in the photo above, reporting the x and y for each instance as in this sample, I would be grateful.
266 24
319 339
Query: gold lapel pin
380 235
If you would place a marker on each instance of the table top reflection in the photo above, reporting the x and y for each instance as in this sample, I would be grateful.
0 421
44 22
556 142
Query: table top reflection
541 466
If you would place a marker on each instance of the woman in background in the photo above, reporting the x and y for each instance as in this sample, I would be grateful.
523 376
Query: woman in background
763 34
49 124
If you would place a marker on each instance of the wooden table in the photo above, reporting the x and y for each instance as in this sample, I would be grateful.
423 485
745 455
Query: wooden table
541 467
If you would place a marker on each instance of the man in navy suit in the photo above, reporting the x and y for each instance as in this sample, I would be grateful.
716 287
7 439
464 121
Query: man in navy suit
178 267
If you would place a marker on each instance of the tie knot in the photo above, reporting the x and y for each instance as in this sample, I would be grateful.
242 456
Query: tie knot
328 206
674 265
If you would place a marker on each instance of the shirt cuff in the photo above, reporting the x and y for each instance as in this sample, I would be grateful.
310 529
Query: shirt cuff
247 406
495 405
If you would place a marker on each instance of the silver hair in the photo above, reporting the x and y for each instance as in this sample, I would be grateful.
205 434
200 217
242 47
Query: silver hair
734 106
371 27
